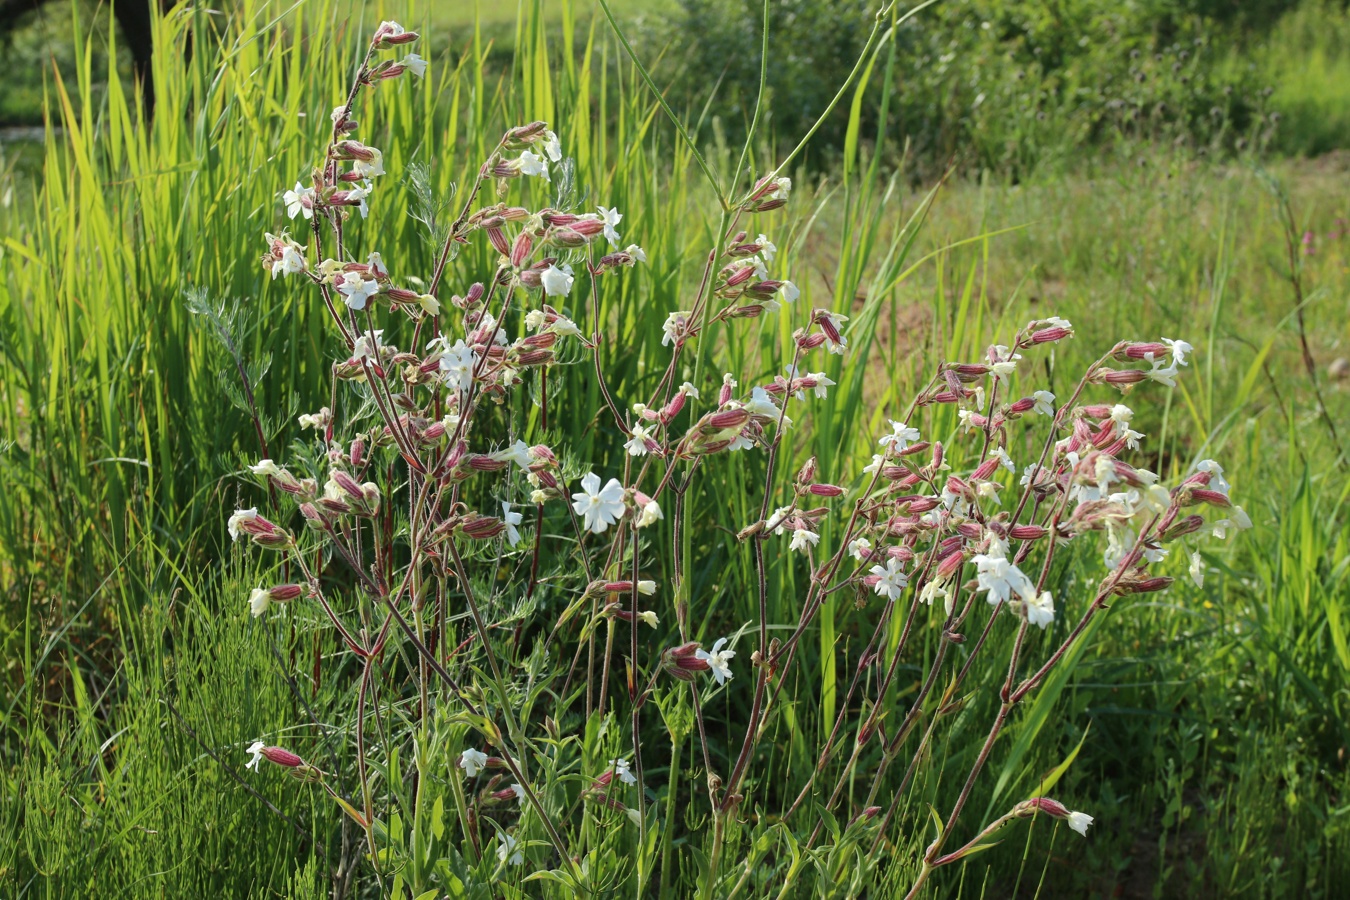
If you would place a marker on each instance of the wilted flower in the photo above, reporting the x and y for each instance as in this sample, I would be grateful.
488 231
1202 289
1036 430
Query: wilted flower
415 64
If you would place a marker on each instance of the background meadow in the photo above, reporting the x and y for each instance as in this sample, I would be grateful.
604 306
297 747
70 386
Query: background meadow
1209 200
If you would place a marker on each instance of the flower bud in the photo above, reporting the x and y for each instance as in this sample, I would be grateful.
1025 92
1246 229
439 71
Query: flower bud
1118 377
1183 526
1027 532
391 34
727 419
481 528
682 663
1050 335
826 490
282 757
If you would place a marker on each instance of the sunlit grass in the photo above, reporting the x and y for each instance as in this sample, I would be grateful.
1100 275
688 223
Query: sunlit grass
133 680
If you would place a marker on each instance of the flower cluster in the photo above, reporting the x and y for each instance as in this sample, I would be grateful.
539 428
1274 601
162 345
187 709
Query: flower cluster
419 482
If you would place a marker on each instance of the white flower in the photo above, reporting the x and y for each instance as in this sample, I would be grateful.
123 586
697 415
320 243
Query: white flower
1029 474
649 618
891 580
1004 459
637 444
766 248
316 420
859 549
532 164
1044 404
1005 362
1121 414
901 437
646 587
258 602
564 327
933 590
255 755
552 146
1041 610
823 382
295 201
775 522
508 851
369 168
600 508
803 540
1079 822
782 188
416 64
290 263
1216 479
367 345
265 467
240 516
651 512
877 462
1164 376
760 404
717 660
356 289
1057 322
1237 518
557 281
519 792
611 218
1179 350
1131 438
518 453
620 767
361 195
790 291
674 327
457 363
689 390
472 761
538 495
1002 579
512 519
1197 569
636 252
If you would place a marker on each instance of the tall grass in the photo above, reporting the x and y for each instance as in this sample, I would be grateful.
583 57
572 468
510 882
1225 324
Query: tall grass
1217 741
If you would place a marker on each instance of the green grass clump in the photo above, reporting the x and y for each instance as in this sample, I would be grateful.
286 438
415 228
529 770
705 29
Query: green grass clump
1211 721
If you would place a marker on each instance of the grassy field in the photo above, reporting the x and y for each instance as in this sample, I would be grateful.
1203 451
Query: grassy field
1206 726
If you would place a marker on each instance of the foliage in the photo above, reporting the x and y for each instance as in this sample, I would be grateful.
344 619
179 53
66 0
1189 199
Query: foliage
1216 718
